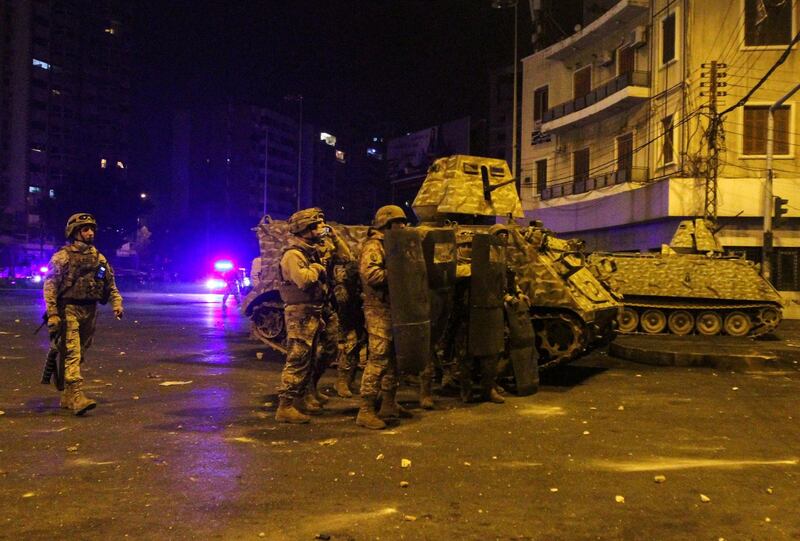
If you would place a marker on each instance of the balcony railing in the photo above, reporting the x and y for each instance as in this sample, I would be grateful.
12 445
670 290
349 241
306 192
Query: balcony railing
583 185
631 78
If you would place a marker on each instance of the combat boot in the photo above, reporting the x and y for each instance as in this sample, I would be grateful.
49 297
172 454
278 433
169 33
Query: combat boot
66 398
80 403
493 396
308 404
342 386
366 415
390 409
287 413
320 397
425 393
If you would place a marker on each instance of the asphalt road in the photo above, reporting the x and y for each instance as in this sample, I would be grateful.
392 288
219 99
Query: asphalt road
183 445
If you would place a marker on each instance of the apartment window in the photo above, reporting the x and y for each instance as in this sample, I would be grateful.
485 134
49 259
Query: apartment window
540 103
668 38
582 82
625 154
34 189
767 22
580 166
41 64
668 140
755 130
541 175
626 60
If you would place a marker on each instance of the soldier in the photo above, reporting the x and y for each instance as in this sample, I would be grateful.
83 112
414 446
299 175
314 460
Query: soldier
347 291
78 277
310 326
380 373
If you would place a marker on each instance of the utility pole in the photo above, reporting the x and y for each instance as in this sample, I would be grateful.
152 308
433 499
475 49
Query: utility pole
715 124
266 166
769 200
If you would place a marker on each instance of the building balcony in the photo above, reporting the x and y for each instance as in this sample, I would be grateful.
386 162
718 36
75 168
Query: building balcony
622 17
583 185
606 100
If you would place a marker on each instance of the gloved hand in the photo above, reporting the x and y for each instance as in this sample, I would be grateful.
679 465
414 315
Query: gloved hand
118 312
319 268
53 323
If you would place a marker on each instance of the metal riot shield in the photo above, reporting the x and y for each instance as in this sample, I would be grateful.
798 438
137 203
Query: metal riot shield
439 250
409 299
486 290
521 347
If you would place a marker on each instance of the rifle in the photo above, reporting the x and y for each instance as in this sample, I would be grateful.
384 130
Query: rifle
54 363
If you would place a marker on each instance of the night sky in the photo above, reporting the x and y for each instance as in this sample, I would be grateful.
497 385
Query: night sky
362 66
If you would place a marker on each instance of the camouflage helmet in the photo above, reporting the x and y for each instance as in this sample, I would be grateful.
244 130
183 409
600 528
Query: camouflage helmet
388 214
303 219
76 221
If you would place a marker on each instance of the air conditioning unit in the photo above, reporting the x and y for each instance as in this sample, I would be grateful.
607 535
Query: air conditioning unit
639 36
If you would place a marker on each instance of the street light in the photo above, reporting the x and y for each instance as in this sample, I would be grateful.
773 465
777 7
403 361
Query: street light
299 99
504 4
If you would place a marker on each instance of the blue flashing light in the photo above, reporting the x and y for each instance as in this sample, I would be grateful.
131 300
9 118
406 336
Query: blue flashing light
223 265
213 284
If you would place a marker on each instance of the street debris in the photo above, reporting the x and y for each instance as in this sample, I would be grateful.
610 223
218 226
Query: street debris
243 439
660 478
704 498
171 383
379 457
29 495
72 448
122 353
135 397
734 388
259 355
619 499
323 536
409 518
769 490
405 463
554 489
329 441
404 484
621 408
468 463
351 473
585 432
2 412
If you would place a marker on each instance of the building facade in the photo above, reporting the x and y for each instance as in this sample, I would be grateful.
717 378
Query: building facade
616 141
64 114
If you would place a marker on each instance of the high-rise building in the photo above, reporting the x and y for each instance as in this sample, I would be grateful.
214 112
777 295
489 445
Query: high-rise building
64 110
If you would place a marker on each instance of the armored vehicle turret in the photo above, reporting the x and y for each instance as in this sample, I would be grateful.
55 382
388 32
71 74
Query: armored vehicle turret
691 287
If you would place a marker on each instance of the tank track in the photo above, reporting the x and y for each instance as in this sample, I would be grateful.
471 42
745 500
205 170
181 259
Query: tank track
562 337
764 317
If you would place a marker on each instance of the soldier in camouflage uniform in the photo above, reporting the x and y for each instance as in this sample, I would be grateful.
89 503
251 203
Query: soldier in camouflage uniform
78 277
334 253
347 291
310 320
380 373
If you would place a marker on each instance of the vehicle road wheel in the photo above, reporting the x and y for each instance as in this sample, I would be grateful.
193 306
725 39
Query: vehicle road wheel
628 320
770 317
653 321
709 323
681 322
737 324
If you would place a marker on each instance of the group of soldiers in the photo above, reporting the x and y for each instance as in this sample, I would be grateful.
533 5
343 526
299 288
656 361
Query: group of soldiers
326 291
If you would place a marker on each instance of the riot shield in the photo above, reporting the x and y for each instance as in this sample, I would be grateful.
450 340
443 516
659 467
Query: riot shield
439 250
486 290
521 347
409 299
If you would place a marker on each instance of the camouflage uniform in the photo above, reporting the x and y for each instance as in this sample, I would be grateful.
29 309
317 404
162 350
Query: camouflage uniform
72 289
311 324
380 373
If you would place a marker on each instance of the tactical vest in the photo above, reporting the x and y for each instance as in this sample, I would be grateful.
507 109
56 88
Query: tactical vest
84 281
290 293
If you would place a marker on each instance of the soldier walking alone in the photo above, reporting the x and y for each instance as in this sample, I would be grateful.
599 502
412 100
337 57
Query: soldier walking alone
381 370
78 277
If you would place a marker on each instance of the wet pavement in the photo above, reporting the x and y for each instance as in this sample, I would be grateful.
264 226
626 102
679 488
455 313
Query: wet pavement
183 445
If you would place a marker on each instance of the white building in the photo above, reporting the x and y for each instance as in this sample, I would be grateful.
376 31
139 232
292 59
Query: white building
614 121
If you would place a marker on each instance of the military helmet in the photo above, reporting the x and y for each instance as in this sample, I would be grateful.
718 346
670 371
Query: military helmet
76 221
496 229
388 214
303 219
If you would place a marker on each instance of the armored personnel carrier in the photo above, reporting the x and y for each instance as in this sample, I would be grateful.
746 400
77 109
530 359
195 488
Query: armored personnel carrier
572 311
692 287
